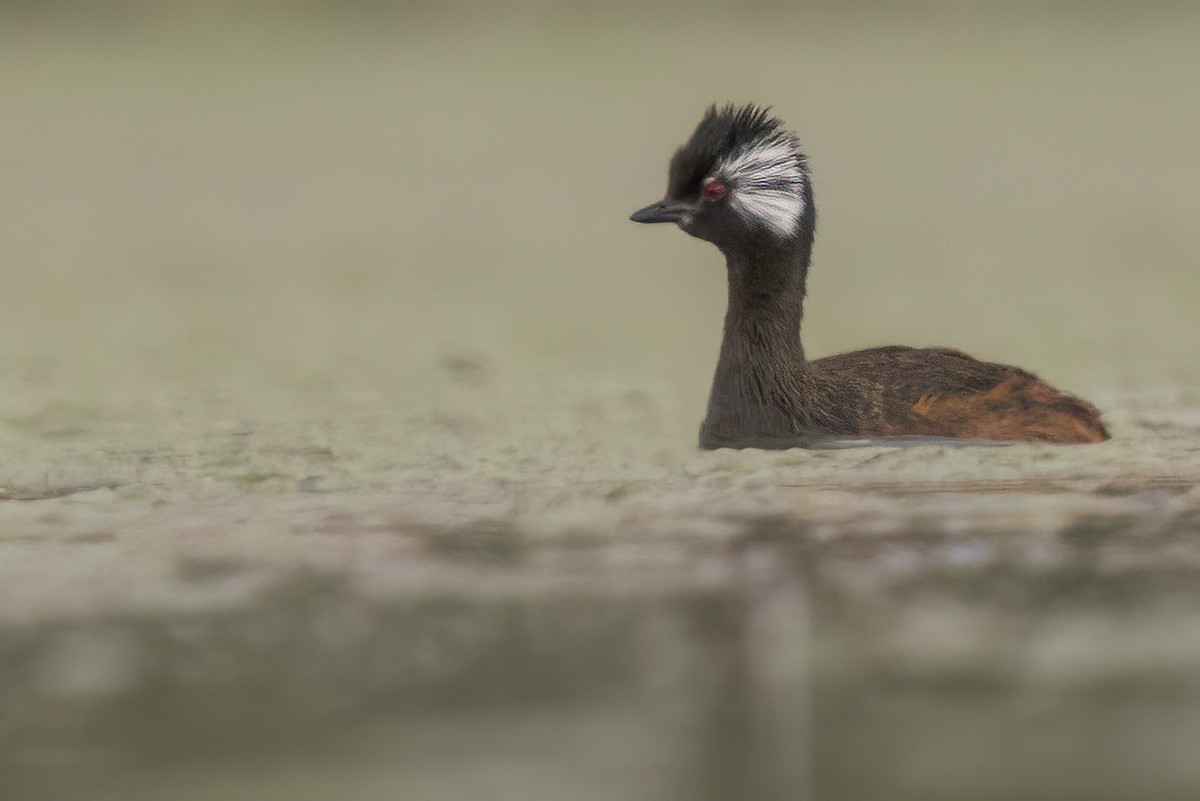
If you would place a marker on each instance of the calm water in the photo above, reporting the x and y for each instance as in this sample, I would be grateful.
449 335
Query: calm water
787 674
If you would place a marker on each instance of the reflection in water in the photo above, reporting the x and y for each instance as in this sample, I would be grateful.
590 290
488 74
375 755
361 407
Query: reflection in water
779 682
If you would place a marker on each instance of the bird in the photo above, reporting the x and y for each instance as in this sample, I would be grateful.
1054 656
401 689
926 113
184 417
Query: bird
742 183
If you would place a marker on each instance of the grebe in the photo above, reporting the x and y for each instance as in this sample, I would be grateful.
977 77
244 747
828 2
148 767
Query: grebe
742 183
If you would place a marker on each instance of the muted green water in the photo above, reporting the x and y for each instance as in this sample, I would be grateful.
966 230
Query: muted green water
347 427
779 680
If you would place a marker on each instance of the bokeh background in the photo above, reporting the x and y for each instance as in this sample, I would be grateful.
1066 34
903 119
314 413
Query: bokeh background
306 188
347 425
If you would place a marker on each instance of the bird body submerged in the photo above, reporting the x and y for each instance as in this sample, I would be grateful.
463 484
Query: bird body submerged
742 183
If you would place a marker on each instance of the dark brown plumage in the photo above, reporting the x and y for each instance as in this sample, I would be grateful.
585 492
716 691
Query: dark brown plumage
742 183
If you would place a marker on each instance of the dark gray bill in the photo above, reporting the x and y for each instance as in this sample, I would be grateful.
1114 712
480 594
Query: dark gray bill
661 212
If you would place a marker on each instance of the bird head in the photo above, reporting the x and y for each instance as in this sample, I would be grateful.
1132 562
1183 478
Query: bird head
739 181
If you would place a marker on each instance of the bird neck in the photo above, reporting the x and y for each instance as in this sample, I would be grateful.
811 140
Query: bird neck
762 385
762 321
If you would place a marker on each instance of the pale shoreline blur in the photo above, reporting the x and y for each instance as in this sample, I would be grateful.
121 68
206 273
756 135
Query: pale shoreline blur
301 196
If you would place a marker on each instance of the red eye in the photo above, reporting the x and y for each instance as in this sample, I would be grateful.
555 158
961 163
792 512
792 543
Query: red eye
712 189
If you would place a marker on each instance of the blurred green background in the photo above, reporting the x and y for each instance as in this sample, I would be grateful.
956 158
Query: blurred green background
307 189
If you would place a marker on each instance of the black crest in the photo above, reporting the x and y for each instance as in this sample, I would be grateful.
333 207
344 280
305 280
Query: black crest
723 130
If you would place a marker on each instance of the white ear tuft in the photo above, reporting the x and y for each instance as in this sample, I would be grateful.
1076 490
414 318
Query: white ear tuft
767 182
